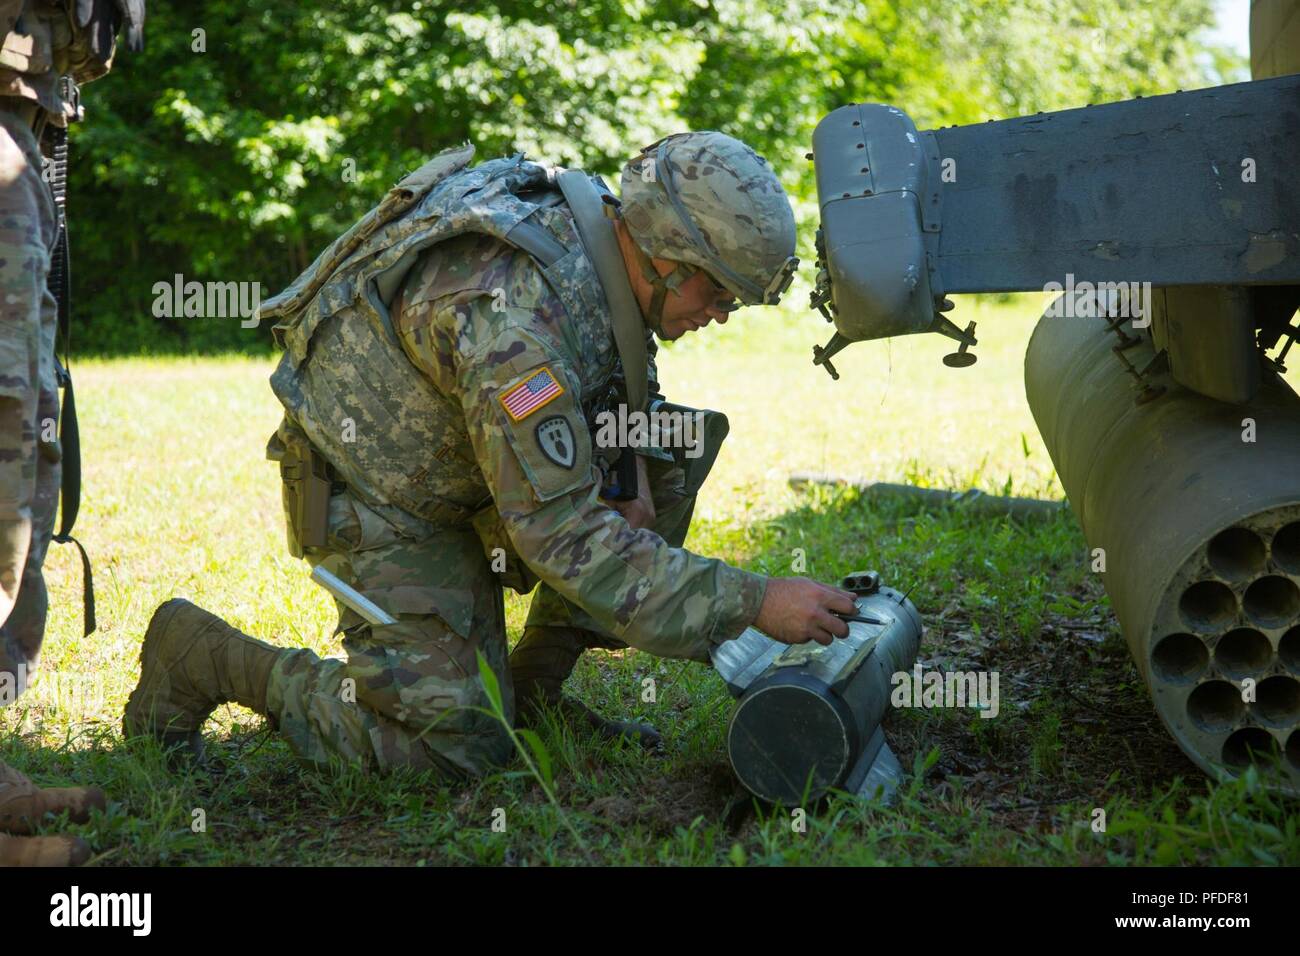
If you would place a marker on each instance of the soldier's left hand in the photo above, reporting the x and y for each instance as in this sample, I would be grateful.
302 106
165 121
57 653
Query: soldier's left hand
640 511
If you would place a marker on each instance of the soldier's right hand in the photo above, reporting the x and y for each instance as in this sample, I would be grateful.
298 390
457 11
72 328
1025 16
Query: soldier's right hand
797 610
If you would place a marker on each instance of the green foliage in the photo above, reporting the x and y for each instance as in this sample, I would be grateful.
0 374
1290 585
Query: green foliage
536 757
1012 59
236 154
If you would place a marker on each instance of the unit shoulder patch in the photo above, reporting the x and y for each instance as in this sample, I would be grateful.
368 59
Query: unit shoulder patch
553 449
555 438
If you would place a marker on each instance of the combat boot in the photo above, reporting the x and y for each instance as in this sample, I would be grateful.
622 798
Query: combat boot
23 804
190 663
43 851
541 662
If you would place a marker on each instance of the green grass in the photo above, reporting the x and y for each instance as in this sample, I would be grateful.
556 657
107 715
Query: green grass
179 501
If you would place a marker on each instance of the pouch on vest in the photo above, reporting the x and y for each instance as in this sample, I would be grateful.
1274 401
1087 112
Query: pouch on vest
306 481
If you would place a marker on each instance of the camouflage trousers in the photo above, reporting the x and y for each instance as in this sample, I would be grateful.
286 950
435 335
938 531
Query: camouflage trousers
29 401
409 694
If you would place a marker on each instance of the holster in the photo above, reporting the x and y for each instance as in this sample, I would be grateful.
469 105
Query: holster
306 479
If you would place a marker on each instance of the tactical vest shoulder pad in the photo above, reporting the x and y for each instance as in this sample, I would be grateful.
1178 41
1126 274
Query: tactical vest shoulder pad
398 201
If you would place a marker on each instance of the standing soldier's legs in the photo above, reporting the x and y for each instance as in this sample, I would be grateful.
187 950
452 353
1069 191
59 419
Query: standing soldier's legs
557 631
29 469
24 630
408 695
29 479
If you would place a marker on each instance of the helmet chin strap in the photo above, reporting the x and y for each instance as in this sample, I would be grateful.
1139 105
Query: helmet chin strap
661 285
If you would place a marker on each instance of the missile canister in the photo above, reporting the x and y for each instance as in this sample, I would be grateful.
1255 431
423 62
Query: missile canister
1193 504
808 717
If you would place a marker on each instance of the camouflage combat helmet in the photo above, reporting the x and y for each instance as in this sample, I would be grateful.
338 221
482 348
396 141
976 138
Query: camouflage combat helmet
707 201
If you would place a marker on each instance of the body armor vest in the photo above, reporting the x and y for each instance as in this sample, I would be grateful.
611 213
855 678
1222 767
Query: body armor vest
340 306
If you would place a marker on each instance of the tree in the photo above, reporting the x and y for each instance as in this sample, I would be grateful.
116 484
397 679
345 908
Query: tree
251 132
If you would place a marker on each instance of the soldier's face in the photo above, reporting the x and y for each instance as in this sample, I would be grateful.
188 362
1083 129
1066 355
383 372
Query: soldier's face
696 302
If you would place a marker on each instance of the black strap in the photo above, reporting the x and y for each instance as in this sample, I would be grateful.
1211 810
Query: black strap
536 241
600 241
60 282
70 441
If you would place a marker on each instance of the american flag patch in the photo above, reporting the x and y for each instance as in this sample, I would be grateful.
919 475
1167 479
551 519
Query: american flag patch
530 395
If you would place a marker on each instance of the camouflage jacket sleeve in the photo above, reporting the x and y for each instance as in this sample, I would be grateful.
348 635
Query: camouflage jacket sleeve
521 397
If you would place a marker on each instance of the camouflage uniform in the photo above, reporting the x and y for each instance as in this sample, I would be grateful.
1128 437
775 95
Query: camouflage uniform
41 45
29 401
450 379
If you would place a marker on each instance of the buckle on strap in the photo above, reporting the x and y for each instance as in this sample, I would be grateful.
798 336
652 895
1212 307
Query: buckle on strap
70 93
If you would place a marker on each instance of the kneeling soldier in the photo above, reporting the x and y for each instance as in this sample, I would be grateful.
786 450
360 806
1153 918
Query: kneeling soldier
445 360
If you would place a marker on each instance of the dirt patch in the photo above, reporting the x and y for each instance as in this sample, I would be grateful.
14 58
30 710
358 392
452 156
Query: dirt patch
1074 713
704 789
